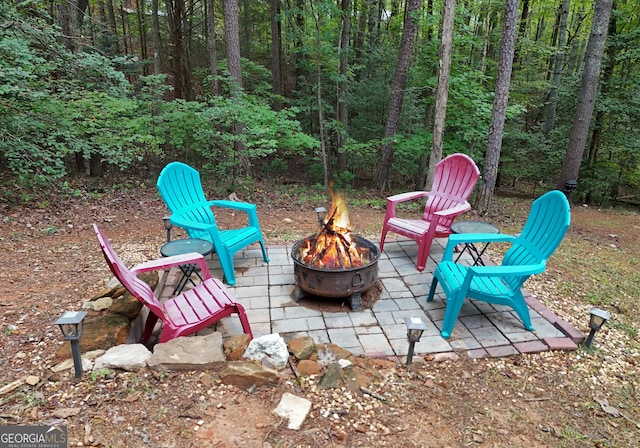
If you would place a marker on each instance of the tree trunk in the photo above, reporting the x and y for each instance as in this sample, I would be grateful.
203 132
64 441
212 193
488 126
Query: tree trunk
211 43
442 91
342 109
155 32
276 54
501 99
557 71
232 36
175 11
586 98
142 31
396 96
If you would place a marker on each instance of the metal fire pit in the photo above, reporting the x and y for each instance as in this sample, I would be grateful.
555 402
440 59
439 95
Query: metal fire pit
349 282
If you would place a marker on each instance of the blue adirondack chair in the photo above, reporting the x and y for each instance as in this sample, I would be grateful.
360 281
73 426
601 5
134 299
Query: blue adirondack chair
545 228
181 189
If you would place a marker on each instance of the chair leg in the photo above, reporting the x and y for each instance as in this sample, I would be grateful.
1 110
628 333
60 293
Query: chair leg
522 310
423 254
451 312
149 326
382 238
264 252
244 320
432 290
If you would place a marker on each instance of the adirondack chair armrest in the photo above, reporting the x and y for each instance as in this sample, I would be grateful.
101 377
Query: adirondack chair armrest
175 260
249 209
507 271
464 238
392 201
453 211
180 221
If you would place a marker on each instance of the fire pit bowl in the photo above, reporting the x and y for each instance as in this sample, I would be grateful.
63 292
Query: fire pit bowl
336 283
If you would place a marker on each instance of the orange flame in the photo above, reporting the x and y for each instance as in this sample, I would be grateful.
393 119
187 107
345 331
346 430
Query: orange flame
333 247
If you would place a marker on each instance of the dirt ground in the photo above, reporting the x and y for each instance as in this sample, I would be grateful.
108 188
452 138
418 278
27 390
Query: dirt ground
51 262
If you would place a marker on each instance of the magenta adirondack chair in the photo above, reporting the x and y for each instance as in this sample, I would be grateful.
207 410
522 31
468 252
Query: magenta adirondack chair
454 180
186 313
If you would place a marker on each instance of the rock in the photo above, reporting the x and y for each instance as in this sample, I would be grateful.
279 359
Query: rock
337 351
100 331
102 303
68 364
10 387
344 363
447 356
294 408
129 357
332 377
235 346
307 367
127 305
105 292
270 350
302 348
245 374
32 380
189 353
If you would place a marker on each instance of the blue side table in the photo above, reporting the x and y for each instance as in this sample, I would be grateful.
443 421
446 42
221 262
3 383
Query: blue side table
474 227
185 246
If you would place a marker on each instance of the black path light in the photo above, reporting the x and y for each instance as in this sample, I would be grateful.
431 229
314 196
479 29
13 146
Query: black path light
70 324
597 320
415 328
322 213
166 220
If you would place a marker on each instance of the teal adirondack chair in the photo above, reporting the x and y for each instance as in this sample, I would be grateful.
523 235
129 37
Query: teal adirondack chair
545 228
181 189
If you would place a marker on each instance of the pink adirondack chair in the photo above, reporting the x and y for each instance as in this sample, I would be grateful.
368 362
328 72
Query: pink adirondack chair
454 180
186 313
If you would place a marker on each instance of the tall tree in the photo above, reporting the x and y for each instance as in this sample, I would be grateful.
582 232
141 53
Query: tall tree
232 36
500 101
342 109
211 44
276 54
396 96
175 12
442 91
586 98
557 70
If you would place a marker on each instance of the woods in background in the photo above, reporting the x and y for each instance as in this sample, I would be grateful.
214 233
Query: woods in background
312 90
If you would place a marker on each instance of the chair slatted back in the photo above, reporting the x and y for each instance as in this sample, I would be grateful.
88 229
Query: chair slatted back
541 235
181 190
453 182
139 289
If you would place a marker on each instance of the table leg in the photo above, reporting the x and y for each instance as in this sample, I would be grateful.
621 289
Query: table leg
187 271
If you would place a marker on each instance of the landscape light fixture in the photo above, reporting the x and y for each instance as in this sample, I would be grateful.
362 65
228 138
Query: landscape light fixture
322 213
70 324
415 328
166 220
597 320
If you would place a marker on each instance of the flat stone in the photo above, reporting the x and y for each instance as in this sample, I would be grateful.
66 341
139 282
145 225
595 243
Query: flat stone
294 408
306 367
576 335
189 353
302 348
129 357
245 374
501 351
561 344
530 346
235 346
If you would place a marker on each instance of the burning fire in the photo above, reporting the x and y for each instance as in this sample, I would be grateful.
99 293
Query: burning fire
333 247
